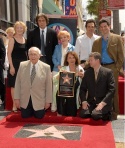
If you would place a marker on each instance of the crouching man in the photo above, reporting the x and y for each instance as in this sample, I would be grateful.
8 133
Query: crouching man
97 90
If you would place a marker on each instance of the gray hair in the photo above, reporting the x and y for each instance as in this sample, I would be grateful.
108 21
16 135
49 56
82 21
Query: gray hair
34 49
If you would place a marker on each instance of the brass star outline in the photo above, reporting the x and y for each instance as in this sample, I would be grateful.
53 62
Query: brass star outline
66 79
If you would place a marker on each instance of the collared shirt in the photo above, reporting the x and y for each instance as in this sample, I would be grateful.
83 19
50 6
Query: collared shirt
83 46
45 31
105 56
97 71
31 67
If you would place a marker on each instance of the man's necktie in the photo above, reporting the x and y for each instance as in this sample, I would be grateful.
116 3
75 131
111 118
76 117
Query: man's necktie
96 75
42 43
33 73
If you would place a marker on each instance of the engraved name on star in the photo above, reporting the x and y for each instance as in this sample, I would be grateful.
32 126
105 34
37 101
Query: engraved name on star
66 79
50 131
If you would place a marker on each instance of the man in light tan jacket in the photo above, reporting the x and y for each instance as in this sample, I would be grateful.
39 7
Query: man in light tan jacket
34 96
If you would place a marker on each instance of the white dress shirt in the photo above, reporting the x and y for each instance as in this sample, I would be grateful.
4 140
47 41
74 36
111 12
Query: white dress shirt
83 46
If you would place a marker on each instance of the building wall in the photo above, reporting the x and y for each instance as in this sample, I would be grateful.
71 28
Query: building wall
79 10
24 10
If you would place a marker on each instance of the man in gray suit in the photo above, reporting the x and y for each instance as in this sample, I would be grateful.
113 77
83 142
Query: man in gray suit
100 85
33 87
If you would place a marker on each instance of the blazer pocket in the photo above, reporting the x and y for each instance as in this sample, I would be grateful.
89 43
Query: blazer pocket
112 45
42 79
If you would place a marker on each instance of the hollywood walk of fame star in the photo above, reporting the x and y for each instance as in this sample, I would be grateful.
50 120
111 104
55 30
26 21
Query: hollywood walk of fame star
66 79
50 131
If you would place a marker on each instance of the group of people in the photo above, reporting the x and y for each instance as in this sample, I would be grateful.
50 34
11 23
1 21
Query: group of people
35 65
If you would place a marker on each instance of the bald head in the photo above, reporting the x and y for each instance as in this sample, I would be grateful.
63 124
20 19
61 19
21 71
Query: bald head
34 54
34 49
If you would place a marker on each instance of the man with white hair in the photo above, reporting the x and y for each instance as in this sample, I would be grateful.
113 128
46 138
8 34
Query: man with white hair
33 87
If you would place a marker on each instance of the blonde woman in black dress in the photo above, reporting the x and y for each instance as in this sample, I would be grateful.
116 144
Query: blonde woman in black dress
17 52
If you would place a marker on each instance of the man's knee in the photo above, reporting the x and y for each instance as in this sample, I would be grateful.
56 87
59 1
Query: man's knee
96 115
39 114
85 114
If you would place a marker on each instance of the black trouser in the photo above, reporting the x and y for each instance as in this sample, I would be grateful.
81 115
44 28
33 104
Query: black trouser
2 85
92 112
29 111
66 106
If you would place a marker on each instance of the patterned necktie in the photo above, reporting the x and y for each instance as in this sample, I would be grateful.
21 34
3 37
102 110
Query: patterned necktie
33 73
42 43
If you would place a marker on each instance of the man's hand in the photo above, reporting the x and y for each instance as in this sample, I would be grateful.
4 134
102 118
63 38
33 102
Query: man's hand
59 67
85 105
17 103
47 105
100 106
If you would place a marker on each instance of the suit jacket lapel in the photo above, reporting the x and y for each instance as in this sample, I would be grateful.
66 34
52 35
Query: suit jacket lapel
28 72
38 38
99 74
47 34
109 40
39 71
100 45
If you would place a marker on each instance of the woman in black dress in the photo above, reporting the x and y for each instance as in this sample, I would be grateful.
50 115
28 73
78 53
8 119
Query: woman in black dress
17 53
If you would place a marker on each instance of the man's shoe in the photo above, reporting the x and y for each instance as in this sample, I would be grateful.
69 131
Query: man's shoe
107 117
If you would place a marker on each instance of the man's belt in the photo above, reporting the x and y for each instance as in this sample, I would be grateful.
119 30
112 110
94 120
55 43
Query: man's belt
107 63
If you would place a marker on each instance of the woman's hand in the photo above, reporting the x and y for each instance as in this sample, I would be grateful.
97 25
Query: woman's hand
12 71
80 74
59 67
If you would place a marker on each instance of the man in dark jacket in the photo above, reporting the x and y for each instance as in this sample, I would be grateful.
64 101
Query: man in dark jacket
43 38
2 60
100 85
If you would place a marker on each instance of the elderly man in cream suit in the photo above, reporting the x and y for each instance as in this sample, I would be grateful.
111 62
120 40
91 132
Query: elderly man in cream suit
34 96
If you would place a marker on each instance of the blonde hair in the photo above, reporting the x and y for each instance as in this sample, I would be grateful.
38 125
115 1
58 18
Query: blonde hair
10 29
20 23
64 32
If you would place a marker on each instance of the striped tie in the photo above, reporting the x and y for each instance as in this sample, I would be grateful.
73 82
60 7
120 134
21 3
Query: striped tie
33 73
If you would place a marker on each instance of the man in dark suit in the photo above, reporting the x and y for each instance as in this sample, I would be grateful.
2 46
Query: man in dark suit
100 85
2 60
48 38
110 46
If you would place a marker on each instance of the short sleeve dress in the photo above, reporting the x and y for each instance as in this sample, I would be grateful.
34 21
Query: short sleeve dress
19 54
